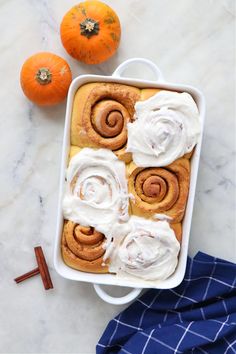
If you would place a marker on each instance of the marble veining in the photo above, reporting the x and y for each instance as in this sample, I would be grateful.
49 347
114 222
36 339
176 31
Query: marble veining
192 43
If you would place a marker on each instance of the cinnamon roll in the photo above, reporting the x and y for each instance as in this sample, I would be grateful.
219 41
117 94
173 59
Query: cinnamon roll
167 127
83 248
96 190
100 114
149 251
161 190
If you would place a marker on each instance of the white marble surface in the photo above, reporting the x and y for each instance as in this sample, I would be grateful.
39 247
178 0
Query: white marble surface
193 42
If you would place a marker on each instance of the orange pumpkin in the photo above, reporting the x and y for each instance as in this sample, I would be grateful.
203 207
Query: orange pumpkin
90 32
45 78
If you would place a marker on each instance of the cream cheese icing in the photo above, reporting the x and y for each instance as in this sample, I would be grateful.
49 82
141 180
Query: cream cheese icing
96 192
167 126
162 217
149 251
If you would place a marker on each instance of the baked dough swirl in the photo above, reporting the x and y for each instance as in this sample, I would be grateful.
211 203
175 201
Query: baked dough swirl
157 190
100 115
83 248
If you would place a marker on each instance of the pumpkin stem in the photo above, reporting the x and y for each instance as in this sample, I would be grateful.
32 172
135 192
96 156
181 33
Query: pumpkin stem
43 76
89 27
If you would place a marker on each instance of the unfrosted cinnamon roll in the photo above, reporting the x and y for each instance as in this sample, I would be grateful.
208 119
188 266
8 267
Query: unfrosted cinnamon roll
100 114
157 190
83 248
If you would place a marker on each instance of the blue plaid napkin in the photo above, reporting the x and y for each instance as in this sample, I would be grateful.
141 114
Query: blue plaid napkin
198 316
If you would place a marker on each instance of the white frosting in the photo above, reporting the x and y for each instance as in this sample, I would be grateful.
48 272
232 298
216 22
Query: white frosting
132 197
113 238
96 192
167 126
149 251
163 217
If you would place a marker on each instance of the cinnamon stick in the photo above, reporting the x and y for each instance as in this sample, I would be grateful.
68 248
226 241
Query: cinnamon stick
43 268
27 275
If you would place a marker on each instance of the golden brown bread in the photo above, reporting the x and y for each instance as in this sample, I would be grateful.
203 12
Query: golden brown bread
82 248
147 93
100 114
177 230
157 190
73 151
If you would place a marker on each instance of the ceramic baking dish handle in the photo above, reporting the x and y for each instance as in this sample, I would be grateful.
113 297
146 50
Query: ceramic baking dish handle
116 300
123 66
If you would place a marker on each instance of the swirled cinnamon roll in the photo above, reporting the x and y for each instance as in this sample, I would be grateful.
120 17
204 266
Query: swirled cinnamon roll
96 190
159 190
83 248
100 115
167 127
149 251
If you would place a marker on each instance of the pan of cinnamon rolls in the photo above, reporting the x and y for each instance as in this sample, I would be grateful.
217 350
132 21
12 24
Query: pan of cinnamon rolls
128 177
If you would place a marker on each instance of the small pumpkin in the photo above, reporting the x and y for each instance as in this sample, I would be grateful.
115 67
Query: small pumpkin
90 32
45 78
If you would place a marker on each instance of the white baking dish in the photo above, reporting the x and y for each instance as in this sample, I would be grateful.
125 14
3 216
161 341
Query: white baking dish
110 279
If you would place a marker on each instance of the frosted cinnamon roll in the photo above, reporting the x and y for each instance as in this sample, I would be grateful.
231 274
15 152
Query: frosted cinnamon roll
167 126
161 190
96 191
83 248
149 251
100 115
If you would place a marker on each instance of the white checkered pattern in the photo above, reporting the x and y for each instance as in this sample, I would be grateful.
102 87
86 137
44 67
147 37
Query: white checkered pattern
199 316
